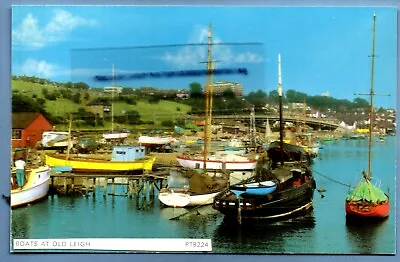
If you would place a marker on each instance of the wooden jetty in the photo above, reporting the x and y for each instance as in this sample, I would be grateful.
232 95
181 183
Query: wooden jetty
68 183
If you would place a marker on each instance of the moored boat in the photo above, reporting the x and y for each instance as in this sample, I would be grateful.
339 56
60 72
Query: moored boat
293 193
256 188
115 136
233 162
124 158
368 201
157 140
289 167
35 188
201 188
185 199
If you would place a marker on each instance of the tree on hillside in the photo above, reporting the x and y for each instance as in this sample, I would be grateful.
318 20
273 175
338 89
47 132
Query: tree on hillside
273 97
66 93
68 85
258 98
81 85
45 92
76 98
195 90
228 93
133 117
360 103
88 118
294 96
100 101
22 103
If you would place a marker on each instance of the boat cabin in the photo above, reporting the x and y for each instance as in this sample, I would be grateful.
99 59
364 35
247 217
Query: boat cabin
128 153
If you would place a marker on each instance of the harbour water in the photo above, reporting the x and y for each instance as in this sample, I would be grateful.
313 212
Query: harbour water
323 231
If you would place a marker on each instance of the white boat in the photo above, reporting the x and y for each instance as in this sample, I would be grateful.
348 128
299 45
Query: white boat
55 139
111 136
231 162
156 140
35 189
185 199
235 142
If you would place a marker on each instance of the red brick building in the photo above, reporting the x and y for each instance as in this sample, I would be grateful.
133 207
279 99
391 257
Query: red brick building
27 129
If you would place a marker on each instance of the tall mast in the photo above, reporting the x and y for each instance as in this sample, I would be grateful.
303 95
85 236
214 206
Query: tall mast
280 108
112 100
69 136
210 104
371 114
207 96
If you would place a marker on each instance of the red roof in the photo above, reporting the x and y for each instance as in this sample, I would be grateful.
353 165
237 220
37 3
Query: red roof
21 120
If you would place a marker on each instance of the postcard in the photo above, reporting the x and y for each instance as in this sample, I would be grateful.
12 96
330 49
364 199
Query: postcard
203 129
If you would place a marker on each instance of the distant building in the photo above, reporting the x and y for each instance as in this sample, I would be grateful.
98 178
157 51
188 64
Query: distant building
27 129
221 86
297 106
182 96
110 89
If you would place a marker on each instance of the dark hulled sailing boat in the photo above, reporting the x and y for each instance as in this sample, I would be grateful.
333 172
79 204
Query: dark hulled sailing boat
368 200
283 185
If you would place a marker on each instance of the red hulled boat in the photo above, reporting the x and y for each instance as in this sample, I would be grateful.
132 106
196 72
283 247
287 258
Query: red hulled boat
367 201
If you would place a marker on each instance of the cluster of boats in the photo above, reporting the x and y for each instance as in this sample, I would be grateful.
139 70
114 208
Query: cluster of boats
283 184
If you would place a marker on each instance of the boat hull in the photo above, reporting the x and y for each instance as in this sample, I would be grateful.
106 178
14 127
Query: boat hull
154 141
177 199
257 189
217 164
115 136
95 165
373 211
277 205
35 189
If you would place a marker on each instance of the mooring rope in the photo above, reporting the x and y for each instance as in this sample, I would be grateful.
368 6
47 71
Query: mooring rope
340 183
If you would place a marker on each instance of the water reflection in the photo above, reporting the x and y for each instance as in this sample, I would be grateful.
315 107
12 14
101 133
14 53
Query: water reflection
20 223
199 222
263 237
363 236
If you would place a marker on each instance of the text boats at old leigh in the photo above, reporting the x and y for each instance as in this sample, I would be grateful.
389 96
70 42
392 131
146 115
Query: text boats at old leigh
123 158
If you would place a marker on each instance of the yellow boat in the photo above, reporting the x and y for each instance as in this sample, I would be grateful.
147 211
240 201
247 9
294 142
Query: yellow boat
124 158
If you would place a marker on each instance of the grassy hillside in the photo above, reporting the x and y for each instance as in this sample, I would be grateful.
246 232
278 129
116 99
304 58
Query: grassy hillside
163 110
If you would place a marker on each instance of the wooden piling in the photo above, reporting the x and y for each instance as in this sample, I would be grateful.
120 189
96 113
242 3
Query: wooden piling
94 186
136 188
105 187
72 184
130 188
65 185
144 181
112 186
152 189
87 187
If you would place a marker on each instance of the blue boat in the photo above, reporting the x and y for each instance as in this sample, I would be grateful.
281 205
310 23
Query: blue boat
61 169
257 188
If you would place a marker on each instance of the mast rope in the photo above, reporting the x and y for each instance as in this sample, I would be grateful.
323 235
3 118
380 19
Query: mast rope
333 180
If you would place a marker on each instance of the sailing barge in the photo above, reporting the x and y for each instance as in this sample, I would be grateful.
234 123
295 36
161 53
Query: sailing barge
289 167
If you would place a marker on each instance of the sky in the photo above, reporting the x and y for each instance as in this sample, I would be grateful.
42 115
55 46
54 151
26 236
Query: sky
324 50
